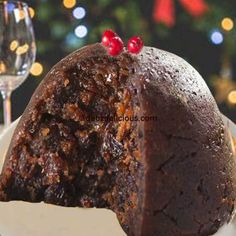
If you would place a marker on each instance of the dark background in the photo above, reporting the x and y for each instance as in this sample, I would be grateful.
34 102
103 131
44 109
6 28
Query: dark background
189 38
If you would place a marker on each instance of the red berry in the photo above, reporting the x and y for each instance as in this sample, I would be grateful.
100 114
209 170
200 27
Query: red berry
135 44
107 36
116 46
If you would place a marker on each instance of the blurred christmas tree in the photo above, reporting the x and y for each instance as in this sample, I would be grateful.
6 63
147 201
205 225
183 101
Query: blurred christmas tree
201 31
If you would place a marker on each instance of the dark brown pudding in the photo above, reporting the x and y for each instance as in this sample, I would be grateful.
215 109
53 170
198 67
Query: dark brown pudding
140 135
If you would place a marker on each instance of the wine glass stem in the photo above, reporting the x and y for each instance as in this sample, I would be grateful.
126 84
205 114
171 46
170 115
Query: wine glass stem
7 107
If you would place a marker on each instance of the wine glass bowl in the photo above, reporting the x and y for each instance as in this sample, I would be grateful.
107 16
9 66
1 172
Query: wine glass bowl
17 49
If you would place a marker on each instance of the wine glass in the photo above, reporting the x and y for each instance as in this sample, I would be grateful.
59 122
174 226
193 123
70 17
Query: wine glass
17 50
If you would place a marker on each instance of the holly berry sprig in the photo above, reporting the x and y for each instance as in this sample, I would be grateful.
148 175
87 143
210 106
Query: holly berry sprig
115 44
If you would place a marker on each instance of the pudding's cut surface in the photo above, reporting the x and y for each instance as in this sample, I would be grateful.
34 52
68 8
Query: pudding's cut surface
140 135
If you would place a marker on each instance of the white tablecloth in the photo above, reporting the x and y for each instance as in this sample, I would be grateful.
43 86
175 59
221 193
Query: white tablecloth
1 128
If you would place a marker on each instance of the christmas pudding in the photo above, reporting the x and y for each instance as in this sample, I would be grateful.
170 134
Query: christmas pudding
138 134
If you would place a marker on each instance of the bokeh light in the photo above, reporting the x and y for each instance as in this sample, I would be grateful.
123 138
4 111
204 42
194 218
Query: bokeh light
71 39
21 14
13 45
79 13
36 69
69 3
217 37
22 49
227 24
72 42
81 31
2 67
31 12
10 6
232 97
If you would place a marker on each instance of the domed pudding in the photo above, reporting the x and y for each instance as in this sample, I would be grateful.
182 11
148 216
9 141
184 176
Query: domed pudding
140 135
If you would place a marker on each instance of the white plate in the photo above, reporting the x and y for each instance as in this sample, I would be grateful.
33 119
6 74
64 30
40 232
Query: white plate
26 219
